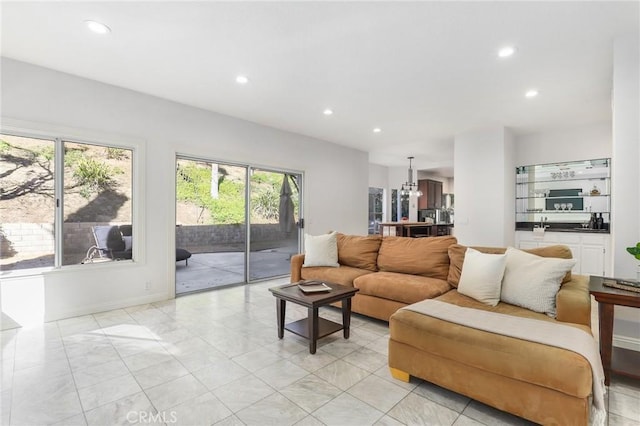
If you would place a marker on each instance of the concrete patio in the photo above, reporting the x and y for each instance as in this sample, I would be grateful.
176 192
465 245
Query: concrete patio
211 270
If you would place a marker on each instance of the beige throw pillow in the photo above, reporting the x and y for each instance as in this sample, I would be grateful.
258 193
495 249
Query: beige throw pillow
321 250
481 276
532 281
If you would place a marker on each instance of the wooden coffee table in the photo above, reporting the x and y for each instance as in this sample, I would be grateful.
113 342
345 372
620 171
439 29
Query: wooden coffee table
313 327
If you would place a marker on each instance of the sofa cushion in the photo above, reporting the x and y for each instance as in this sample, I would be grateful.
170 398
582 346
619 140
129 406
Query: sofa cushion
341 275
417 256
403 288
481 276
533 281
358 251
321 250
530 362
457 251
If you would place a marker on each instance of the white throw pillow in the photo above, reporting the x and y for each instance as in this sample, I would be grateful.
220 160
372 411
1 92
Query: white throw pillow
532 281
481 276
321 250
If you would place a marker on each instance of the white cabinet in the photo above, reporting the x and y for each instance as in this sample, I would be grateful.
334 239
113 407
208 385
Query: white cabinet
589 250
592 259
527 245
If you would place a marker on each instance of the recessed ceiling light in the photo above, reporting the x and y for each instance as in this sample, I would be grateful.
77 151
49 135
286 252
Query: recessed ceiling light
506 51
377 130
531 93
242 79
327 111
97 27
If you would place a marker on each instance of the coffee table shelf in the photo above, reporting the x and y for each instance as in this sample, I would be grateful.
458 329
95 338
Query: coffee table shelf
325 327
313 327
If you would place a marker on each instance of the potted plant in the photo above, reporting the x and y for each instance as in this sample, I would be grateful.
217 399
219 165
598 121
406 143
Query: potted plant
635 252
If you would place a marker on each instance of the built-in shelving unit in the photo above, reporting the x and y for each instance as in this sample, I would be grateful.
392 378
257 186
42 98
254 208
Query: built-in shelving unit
564 195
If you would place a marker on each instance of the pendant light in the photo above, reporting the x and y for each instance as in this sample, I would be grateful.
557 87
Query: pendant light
410 187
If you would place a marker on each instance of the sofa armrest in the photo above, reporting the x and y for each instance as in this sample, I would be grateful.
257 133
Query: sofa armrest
296 267
574 302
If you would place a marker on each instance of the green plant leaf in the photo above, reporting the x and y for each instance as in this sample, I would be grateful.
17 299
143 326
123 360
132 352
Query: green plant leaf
634 251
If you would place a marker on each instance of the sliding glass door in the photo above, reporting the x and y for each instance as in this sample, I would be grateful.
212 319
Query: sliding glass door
274 226
228 231
210 224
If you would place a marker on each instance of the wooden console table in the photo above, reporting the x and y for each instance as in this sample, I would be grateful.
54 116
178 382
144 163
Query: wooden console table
614 360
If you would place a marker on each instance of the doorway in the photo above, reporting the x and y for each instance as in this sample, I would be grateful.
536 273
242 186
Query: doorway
240 223
274 232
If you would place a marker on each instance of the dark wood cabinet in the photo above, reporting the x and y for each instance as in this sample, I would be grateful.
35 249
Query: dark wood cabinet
424 188
431 194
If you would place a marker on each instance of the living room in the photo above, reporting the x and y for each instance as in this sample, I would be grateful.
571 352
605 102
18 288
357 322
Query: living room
51 95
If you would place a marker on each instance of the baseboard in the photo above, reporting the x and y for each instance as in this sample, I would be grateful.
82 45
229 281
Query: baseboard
103 307
626 342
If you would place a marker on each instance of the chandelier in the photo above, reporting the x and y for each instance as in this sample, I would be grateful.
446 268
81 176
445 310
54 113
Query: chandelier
410 188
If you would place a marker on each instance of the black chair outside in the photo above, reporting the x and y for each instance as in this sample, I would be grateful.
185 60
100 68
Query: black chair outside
115 242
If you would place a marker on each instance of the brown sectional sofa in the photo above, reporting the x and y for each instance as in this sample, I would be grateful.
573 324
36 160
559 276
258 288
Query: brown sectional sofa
541 383
376 266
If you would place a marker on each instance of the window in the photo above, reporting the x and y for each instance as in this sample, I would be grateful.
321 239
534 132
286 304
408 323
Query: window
404 206
394 205
92 186
375 209
27 202
97 203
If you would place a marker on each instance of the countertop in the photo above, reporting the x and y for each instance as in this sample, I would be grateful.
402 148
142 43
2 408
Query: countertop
562 227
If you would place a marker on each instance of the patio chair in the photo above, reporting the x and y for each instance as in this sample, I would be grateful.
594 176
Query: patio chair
111 242
115 242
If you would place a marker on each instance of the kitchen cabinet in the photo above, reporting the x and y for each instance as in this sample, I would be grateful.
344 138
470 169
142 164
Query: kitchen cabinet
590 251
592 259
565 194
431 194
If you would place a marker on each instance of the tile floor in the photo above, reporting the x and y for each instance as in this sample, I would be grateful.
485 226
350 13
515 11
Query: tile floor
214 358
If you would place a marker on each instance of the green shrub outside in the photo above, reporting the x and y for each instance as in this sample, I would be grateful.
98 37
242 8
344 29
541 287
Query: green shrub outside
92 175
116 153
194 186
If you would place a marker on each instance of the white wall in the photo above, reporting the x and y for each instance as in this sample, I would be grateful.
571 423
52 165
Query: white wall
335 177
378 176
484 206
581 143
626 152
625 179
508 185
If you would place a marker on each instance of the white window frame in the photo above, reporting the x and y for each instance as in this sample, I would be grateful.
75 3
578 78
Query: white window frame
59 135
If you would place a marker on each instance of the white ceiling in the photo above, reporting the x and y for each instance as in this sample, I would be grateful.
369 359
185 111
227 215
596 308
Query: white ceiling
421 71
